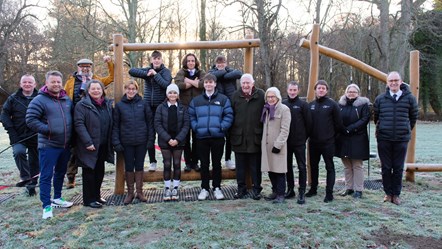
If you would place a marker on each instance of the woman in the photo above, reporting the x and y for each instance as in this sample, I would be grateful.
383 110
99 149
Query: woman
133 134
172 125
189 80
352 145
276 119
93 126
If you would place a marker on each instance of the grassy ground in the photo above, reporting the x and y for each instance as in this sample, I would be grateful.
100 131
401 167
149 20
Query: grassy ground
344 223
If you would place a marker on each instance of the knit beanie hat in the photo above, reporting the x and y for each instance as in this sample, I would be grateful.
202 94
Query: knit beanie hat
173 87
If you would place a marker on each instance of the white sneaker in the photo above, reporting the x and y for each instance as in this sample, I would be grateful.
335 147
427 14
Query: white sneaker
218 194
61 203
230 164
175 195
152 167
203 195
167 195
47 213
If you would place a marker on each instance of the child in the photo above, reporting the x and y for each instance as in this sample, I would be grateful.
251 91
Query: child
172 125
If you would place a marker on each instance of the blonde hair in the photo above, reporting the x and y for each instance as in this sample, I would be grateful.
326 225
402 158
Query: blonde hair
131 82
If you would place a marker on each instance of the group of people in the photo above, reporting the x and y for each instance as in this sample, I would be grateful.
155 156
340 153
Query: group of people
204 116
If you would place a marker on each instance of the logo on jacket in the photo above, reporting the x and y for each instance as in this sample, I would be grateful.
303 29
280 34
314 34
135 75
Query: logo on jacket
325 107
296 107
217 102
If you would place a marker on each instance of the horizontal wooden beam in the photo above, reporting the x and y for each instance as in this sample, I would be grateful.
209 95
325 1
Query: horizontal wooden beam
348 60
157 176
246 43
419 167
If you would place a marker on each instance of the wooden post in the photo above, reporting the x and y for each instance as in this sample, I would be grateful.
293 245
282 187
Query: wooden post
248 57
118 93
313 78
414 87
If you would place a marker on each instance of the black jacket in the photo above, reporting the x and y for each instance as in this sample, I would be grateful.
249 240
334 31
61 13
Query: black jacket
88 128
133 124
326 120
353 141
395 119
161 125
154 86
13 118
301 121
226 80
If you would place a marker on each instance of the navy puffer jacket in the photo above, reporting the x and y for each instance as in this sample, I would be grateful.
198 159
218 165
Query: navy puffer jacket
395 119
226 80
133 124
210 117
161 125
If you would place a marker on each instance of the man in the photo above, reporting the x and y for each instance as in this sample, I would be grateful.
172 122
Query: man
156 80
299 131
326 124
246 135
50 114
22 139
226 84
75 87
395 115
210 117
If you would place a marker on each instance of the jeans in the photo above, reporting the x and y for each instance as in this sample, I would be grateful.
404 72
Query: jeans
26 161
392 156
299 152
252 163
134 157
327 151
207 147
53 165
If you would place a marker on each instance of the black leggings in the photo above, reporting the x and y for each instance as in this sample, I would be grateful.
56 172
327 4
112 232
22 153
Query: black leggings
168 156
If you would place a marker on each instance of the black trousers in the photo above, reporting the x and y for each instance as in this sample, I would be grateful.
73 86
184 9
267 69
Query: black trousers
92 180
327 151
151 151
299 152
134 157
190 154
278 183
392 156
251 162
210 147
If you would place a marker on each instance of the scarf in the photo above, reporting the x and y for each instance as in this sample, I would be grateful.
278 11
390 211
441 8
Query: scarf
99 102
270 109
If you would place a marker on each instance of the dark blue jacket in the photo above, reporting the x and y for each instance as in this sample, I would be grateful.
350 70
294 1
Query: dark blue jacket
161 125
301 121
13 118
395 119
326 121
52 118
154 86
210 117
133 124
226 80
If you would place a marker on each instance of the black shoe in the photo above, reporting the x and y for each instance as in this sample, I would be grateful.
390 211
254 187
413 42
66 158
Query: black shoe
30 189
328 198
278 200
271 197
301 197
256 196
102 201
22 183
240 195
94 205
347 192
311 192
357 194
187 168
290 193
196 167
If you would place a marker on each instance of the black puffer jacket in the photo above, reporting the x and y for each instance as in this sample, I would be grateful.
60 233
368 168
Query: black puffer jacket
154 86
353 141
133 124
161 125
301 121
326 120
395 119
226 80
89 131
13 118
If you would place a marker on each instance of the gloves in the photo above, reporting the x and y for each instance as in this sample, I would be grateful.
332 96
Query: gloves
150 146
119 148
275 150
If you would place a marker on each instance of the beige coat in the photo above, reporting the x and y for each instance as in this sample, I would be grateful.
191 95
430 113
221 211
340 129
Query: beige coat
275 134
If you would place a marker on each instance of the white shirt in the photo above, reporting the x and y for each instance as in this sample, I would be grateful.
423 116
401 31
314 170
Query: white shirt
398 94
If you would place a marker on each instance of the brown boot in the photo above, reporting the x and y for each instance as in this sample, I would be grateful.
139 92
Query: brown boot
139 185
71 183
130 177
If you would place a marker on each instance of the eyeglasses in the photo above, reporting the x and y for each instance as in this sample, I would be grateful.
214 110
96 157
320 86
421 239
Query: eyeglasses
271 97
353 92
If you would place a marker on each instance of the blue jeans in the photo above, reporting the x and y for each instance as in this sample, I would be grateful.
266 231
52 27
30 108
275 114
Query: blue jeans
53 166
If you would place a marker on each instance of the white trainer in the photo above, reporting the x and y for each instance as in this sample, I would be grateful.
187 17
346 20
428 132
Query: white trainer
47 213
218 194
152 167
230 165
203 195
61 203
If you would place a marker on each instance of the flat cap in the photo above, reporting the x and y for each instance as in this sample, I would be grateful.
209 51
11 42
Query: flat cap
84 61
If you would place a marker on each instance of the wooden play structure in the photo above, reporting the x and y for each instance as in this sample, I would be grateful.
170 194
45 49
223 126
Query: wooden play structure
118 47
